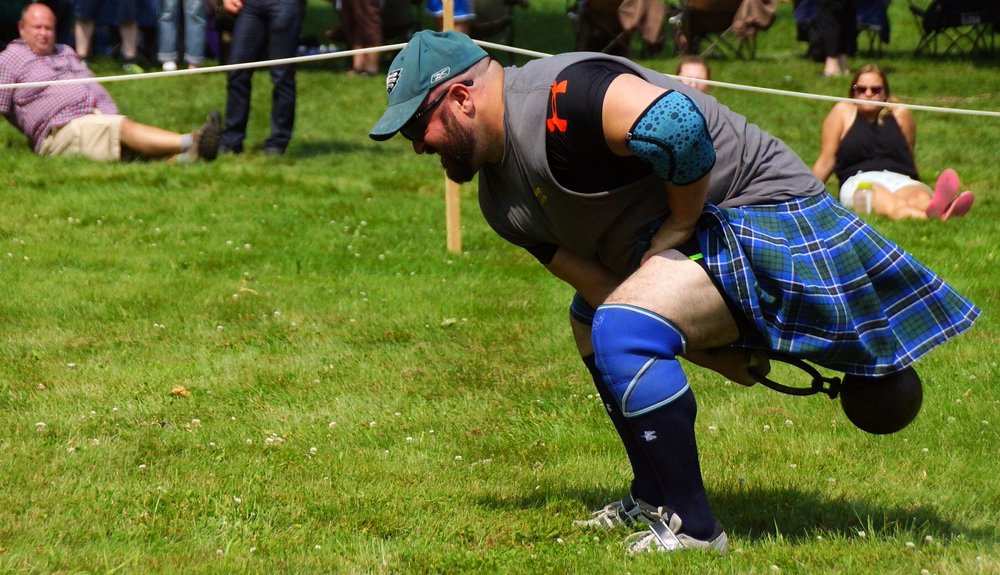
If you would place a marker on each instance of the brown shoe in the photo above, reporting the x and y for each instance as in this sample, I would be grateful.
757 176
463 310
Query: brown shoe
205 144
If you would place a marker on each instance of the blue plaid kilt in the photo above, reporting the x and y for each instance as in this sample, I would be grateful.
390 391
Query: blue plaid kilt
819 284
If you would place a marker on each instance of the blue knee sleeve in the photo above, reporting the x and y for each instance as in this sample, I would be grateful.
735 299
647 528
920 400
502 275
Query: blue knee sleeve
636 352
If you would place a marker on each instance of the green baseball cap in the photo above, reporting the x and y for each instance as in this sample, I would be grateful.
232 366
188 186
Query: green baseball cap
428 59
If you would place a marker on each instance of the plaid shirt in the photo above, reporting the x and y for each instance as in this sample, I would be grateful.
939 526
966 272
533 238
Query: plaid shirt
36 111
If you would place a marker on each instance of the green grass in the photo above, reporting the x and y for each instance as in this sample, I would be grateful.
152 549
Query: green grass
363 401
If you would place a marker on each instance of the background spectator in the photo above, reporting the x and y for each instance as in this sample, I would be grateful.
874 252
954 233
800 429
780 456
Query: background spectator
194 32
80 119
694 67
125 11
264 29
362 24
838 30
870 148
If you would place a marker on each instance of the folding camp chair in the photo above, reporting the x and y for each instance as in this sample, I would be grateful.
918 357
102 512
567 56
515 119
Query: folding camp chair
731 25
957 26
597 27
496 17
873 25
400 19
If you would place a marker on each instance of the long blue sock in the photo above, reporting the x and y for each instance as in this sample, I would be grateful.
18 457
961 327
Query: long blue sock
667 438
645 484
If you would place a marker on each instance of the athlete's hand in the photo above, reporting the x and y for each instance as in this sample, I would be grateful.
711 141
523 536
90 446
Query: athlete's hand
233 6
670 235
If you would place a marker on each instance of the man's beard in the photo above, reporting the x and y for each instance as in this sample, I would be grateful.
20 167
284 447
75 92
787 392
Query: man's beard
456 153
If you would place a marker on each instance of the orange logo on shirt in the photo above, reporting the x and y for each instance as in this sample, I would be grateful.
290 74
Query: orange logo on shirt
555 122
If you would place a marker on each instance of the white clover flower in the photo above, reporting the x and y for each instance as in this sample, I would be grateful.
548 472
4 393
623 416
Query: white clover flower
313 451
458 458
142 467
40 426
237 500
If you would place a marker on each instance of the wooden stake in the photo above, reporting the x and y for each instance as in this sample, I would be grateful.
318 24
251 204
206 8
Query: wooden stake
452 190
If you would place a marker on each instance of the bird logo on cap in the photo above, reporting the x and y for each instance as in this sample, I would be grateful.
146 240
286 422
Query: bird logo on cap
391 79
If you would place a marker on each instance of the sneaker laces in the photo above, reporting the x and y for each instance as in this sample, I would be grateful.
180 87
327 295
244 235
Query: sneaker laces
626 511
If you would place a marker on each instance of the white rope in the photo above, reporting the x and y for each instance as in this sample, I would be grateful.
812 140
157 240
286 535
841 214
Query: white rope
808 96
490 45
207 69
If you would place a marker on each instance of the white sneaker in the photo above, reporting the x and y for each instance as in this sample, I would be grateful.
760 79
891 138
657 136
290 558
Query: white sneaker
664 535
628 511
170 66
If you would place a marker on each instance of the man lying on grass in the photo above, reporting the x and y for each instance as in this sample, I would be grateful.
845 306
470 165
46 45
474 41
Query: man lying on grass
80 119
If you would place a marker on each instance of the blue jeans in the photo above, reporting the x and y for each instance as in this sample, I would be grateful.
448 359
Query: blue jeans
264 29
194 30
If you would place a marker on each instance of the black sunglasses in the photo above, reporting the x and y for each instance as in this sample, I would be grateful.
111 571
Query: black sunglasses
875 90
414 129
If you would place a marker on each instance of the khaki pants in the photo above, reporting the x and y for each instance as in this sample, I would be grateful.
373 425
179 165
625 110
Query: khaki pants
96 136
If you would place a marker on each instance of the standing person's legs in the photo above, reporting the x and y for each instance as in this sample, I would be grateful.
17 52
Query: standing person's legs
285 20
167 32
128 27
249 33
194 32
86 13
836 21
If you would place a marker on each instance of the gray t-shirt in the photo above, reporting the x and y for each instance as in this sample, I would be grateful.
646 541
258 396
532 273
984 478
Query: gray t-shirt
524 204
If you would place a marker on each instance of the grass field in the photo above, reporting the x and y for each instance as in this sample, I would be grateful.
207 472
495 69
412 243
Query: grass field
272 365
